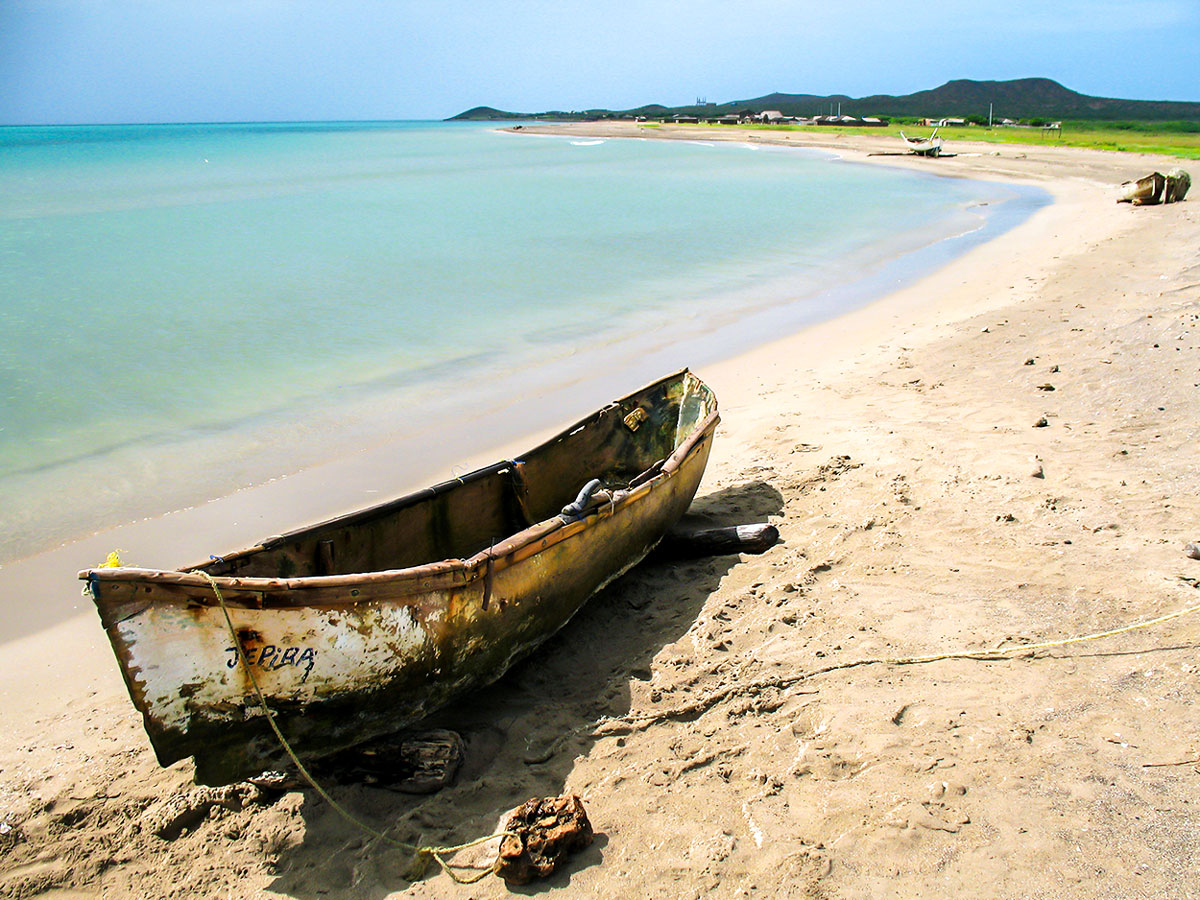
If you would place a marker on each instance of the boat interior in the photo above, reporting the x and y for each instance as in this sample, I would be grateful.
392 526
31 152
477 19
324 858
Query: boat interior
622 445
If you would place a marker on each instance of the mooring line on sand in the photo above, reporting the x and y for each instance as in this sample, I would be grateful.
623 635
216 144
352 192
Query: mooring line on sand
705 703
1020 648
423 853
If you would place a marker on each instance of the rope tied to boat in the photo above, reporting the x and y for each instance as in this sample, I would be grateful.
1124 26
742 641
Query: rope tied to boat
573 511
423 854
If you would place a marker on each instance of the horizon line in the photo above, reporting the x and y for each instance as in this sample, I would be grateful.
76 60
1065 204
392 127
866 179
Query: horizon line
216 122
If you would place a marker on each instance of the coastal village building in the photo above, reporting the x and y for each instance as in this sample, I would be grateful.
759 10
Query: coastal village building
867 121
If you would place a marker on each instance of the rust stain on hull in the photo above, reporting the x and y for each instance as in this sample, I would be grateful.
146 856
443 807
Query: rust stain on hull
433 594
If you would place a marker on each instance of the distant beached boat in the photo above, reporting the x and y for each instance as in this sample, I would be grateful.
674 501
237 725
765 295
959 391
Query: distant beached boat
364 624
1145 191
922 146
1156 188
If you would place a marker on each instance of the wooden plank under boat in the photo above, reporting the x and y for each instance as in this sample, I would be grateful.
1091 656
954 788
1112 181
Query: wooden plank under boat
363 624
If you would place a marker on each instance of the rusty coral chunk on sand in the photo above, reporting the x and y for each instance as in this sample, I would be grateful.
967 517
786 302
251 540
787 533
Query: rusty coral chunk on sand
543 832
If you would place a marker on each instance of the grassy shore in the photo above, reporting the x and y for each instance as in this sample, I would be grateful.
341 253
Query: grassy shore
1132 137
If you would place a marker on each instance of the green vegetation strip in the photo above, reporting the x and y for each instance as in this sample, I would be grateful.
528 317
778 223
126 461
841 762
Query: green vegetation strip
1180 139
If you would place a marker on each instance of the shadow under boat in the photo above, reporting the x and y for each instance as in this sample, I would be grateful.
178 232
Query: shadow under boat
523 734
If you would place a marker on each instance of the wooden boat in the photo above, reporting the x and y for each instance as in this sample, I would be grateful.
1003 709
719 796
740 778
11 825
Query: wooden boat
921 146
1143 192
363 624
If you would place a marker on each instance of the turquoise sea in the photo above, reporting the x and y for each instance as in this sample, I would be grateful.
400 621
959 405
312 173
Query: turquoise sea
189 309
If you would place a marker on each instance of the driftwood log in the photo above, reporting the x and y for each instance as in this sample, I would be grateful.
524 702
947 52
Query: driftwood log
680 544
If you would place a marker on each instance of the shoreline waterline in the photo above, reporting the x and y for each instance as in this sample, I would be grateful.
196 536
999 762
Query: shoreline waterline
514 413
196 310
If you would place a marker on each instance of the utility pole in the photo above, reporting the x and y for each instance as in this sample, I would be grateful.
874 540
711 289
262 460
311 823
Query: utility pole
989 115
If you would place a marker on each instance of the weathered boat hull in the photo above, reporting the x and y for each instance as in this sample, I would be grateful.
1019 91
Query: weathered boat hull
919 146
1145 191
342 658
926 148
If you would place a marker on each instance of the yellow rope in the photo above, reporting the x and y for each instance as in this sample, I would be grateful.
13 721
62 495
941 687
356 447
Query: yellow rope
783 683
423 853
1022 648
426 853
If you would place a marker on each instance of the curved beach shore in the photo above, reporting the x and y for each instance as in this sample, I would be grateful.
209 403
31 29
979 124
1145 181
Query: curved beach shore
1002 453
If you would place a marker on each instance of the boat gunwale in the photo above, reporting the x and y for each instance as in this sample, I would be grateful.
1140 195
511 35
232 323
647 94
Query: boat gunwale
431 576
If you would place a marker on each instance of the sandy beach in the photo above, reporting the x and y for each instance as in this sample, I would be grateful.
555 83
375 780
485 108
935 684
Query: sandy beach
1001 454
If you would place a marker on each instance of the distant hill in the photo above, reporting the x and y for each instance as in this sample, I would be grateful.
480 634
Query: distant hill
1023 98
486 113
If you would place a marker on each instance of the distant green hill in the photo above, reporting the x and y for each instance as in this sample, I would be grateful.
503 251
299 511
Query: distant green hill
489 114
486 113
1023 98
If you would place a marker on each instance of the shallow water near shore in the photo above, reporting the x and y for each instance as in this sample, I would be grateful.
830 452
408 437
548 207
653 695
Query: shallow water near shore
188 310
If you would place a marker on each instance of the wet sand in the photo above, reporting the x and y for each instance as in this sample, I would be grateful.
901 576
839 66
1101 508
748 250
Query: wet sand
721 738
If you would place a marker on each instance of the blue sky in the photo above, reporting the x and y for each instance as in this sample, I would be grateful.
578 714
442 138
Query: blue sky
67 61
